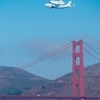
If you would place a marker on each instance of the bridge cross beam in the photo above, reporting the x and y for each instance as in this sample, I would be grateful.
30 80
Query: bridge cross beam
78 69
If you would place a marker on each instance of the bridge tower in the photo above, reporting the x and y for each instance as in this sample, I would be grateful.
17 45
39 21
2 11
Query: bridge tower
78 69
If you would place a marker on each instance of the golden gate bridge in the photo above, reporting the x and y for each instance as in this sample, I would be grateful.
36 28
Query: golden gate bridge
78 76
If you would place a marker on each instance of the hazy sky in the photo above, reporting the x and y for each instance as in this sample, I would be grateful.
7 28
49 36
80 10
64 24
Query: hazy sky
29 30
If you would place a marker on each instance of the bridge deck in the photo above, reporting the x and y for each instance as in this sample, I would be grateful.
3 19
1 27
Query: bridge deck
46 98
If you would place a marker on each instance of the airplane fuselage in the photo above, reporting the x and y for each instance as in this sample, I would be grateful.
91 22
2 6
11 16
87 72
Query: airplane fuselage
49 5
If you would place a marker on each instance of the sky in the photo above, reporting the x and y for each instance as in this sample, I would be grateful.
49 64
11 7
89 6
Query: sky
29 30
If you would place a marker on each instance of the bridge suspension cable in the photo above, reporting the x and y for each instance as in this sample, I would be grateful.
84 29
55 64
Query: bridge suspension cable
91 54
40 59
91 48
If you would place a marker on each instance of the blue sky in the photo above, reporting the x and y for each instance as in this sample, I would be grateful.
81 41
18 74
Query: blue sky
27 28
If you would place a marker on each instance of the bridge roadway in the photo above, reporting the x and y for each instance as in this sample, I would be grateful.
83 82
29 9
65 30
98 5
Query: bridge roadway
46 98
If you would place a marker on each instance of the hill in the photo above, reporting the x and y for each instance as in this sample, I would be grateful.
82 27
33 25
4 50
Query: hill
63 85
18 81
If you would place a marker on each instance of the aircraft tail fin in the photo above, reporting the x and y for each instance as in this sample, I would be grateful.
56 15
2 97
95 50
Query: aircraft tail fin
69 3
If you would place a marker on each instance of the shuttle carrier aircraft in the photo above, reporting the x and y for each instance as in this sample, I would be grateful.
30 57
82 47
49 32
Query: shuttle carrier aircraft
59 4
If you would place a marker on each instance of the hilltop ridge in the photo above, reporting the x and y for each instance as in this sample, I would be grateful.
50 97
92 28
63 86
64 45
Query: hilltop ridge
17 82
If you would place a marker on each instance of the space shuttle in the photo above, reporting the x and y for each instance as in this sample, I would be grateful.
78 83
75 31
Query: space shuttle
60 2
